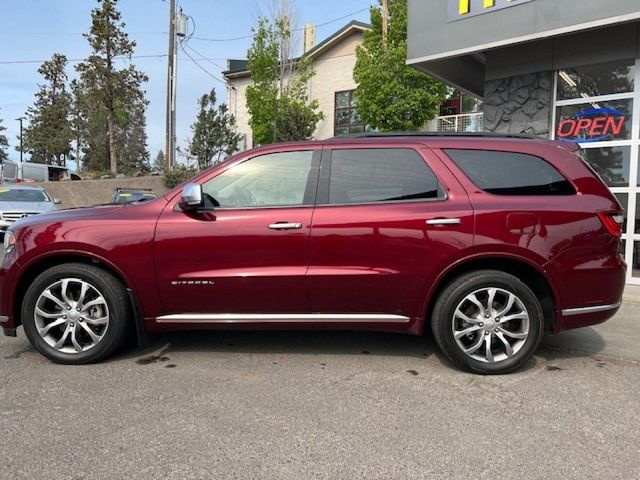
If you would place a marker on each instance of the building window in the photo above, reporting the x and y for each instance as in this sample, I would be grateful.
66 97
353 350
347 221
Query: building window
594 106
346 118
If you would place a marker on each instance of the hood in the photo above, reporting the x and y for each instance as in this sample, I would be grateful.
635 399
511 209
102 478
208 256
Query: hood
52 216
26 206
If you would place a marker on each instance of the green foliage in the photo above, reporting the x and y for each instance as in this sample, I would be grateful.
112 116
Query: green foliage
4 144
277 100
178 174
48 136
392 96
214 132
111 100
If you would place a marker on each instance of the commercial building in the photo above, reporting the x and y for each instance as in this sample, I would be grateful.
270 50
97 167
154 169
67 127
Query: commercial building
564 69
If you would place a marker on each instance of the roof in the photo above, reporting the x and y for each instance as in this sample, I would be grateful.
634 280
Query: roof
239 68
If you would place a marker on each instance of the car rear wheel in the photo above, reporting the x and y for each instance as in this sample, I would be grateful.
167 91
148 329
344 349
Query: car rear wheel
488 322
75 313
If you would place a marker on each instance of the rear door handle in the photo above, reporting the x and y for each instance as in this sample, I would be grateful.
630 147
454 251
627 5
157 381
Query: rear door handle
444 221
285 226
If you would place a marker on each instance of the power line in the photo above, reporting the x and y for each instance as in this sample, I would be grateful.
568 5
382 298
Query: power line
184 50
244 37
202 57
76 60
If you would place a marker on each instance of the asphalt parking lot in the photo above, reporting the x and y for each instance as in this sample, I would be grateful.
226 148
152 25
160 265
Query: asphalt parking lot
256 405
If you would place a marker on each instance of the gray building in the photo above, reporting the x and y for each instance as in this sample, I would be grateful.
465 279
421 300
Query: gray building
564 69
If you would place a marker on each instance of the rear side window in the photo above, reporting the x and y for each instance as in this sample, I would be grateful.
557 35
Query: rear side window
380 175
508 173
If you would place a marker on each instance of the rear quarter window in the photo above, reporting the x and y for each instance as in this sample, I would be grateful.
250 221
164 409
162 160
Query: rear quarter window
509 173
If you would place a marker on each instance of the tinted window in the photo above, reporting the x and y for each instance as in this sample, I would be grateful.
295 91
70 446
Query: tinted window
278 179
508 173
380 175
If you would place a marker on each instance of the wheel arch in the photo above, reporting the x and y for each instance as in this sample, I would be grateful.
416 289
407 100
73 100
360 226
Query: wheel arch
40 264
531 275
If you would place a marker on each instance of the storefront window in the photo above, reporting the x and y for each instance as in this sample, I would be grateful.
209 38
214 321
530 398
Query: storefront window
594 107
611 163
623 198
596 80
595 121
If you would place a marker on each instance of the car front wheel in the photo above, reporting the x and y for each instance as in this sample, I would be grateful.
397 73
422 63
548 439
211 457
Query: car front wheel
488 322
75 313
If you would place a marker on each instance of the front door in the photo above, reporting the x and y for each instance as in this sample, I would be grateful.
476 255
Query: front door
247 250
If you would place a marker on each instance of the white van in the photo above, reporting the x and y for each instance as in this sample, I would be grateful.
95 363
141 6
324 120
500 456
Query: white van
35 172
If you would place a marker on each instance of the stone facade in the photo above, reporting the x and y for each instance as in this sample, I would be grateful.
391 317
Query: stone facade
520 104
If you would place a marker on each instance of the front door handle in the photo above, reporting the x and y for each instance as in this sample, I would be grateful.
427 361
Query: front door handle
285 226
444 221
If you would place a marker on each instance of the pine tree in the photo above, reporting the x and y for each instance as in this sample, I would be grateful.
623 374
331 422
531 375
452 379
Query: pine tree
4 144
47 138
116 92
214 132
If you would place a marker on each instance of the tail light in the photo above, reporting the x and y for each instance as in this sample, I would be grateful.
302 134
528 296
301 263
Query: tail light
612 221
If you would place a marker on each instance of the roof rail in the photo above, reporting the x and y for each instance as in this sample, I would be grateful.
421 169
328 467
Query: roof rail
440 134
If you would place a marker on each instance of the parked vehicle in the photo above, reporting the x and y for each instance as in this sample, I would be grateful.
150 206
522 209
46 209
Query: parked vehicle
20 201
35 172
129 195
489 240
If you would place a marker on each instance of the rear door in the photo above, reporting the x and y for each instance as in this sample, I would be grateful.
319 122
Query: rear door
387 221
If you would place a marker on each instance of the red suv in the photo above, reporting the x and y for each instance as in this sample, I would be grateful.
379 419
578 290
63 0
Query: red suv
488 240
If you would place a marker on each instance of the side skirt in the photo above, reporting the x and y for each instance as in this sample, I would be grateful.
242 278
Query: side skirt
234 318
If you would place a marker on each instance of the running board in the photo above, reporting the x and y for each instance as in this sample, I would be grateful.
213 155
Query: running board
234 318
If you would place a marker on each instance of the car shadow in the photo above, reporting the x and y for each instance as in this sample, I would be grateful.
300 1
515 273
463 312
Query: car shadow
286 342
582 342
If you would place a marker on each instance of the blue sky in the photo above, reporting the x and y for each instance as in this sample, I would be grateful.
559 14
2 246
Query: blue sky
36 29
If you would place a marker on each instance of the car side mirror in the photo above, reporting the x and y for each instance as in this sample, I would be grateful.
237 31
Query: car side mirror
57 201
191 197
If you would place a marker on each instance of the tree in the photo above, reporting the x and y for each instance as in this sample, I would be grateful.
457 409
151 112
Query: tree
48 136
4 143
392 96
117 92
158 162
214 132
279 91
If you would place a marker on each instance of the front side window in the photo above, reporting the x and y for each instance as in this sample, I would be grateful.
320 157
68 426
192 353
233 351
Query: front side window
509 173
273 180
380 175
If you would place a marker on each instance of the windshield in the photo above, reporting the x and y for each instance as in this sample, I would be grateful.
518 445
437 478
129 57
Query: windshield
130 197
23 195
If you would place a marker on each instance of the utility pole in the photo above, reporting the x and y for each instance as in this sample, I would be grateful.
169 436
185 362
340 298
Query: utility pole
385 20
20 119
171 91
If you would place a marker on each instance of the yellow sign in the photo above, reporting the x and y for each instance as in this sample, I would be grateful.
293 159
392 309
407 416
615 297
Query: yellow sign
459 9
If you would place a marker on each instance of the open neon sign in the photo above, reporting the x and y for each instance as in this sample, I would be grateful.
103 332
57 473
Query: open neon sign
593 125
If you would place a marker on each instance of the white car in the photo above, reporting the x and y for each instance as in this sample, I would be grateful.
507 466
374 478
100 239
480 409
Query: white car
19 201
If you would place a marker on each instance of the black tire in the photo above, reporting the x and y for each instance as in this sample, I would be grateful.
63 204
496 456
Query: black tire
456 292
109 287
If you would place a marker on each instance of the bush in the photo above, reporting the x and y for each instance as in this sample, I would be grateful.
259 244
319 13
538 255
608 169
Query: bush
179 174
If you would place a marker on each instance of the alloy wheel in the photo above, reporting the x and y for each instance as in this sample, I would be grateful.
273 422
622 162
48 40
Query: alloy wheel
490 325
71 315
